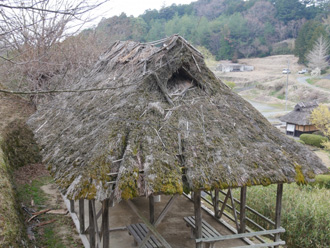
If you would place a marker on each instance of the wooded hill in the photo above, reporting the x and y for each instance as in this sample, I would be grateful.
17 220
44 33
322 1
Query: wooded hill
229 29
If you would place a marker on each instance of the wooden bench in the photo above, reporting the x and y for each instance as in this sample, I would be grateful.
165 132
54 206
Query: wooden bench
139 231
207 230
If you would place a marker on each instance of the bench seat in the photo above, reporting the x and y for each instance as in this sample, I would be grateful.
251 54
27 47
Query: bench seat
139 231
207 230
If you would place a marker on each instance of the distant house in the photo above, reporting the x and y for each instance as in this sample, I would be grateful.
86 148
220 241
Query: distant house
234 67
298 120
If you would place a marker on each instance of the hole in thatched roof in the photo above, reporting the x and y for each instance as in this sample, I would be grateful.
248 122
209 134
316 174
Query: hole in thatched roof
179 83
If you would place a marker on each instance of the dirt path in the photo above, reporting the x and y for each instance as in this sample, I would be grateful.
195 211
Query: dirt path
303 81
35 188
324 156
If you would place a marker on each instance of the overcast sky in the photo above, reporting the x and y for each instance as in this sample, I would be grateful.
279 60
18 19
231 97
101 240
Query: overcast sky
137 7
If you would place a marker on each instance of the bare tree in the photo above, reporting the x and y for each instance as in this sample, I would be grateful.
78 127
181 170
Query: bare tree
317 57
33 49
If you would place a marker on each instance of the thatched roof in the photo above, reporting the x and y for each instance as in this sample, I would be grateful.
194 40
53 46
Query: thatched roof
166 124
300 115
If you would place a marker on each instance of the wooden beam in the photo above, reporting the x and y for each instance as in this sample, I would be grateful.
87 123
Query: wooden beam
216 203
242 216
224 205
242 235
152 209
198 217
278 210
82 216
98 241
234 208
148 224
105 223
91 228
72 206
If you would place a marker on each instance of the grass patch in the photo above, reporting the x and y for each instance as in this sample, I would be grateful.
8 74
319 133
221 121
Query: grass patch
27 192
50 239
312 81
11 231
305 213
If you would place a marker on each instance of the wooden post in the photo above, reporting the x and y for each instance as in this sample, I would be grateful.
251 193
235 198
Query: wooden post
82 216
198 217
105 223
91 225
72 206
278 210
242 217
152 209
216 203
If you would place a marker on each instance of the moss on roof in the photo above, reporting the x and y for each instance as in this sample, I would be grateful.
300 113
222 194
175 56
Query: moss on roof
165 125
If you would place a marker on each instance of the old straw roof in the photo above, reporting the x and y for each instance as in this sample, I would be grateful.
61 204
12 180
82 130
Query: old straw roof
300 115
166 125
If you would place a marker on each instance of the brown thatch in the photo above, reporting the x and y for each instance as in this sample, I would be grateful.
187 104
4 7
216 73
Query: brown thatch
300 115
167 125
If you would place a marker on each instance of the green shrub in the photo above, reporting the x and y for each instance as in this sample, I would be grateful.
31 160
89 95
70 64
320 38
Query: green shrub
19 146
305 213
322 181
313 140
230 84
301 141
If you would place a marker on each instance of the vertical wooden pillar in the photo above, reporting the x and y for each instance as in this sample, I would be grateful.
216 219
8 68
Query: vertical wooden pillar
152 209
105 223
72 206
216 203
198 216
278 210
242 217
91 225
82 215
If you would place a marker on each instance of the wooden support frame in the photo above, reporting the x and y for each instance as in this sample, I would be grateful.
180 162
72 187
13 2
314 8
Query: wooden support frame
198 217
105 233
72 206
91 228
278 210
81 216
242 215
152 228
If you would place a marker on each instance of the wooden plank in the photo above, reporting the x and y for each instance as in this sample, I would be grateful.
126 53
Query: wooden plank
95 225
81 216
242 215
139 231
105 223
253 211
234 208
278 210
91 225
223 222
216 203
241 235
160 217
262 245
147 223
207 229
224 205
72 206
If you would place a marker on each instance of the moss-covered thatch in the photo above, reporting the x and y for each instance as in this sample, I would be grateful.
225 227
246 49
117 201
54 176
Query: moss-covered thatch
166 124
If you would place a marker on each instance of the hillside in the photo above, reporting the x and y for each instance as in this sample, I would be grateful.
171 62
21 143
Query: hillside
266 83
229 29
